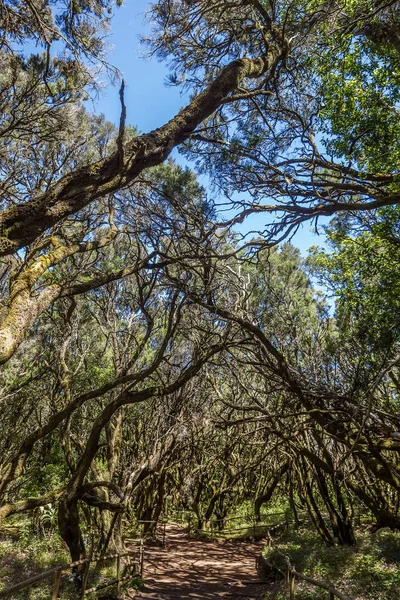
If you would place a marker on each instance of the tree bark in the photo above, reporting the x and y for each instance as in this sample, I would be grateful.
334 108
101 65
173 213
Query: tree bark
21 225
266 497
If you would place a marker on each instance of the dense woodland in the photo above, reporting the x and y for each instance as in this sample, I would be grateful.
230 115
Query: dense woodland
150 353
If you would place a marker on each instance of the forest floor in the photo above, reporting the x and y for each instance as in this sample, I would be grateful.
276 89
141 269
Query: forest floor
194 569
191 569
367 571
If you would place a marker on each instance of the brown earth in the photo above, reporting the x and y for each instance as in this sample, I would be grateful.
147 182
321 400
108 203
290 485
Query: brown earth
191 569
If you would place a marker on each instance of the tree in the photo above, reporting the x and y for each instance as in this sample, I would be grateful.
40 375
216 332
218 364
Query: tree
360 270
266 87
121 286
319 382
122 336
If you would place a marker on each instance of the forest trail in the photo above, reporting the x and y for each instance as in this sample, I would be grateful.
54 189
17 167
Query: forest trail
191 569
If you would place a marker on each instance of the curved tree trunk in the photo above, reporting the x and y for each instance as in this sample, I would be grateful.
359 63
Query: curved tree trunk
69 527
267 495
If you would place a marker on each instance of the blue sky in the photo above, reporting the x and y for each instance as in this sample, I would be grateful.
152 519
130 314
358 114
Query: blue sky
150 102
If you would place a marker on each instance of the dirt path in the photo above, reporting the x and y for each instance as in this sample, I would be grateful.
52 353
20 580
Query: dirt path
190 569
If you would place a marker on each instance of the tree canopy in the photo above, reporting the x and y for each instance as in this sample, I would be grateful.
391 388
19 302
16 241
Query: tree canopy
150 351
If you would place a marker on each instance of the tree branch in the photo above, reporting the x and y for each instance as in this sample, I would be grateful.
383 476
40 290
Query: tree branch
21 225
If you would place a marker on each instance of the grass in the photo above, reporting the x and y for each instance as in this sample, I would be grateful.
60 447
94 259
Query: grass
369 571
24 554
240 530
244 533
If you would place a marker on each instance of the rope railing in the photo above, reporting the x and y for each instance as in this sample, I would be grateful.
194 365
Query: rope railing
290 574
253 525
182 516
163 522
57 572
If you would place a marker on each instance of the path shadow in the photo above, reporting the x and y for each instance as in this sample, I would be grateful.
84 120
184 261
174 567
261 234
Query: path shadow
191 569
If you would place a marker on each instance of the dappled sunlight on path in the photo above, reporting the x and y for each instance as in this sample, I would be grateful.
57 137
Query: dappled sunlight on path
191 569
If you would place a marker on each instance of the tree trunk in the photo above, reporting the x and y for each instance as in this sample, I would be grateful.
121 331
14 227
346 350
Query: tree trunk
69 527
266 497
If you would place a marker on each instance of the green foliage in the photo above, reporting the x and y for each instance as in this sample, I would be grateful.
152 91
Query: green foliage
78 26
367 572
23 553
362 271
48 474
211 434
359 103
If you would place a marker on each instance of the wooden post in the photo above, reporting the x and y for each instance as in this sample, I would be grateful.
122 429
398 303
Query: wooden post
118 574
292 583
85 578
189 525
164 528
56 586
254 528
141 559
